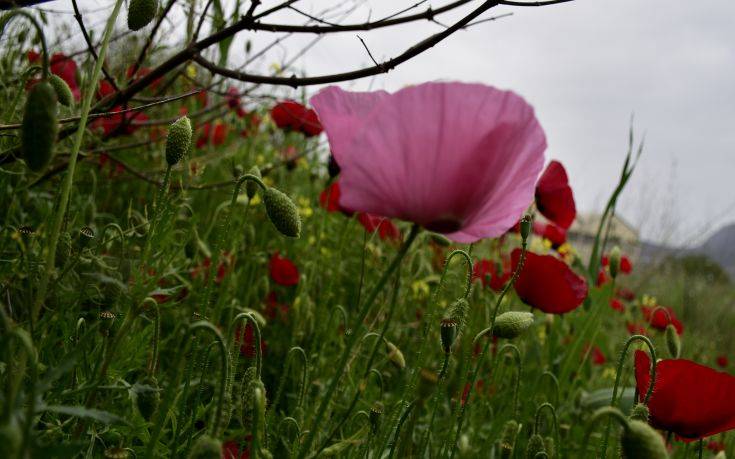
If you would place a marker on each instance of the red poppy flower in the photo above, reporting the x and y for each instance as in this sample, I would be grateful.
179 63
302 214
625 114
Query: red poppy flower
626 266
554 197
119 123
252 123
294 116
635 328
283 271
104 89
715 446
548 284
220 134
596 354
140 73
329 198
273 308
203 138
247 341
492 274
555 234
233 97
231 449
602 278
658 318
722 361
689 399
387 230
617 305
625 294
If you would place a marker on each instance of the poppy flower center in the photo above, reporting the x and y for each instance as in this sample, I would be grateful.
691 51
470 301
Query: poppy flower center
444 225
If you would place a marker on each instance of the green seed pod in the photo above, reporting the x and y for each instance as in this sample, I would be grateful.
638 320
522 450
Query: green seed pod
148 400
206 447
640 441
458 312
251 187
395 355
512 324
140 13
178 139
116 453
549 446
673 343
376 411
282 212
614 260
39 129
525 227
448 333
63 92
107 320
535 445
639 412
508 439
440 239
63 249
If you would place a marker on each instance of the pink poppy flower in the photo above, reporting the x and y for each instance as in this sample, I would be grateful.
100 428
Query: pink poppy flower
459 159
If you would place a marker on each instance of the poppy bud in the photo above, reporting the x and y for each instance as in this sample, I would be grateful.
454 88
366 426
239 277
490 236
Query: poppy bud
525 227
396 356
178 140
251 187
640 441
508 439
673 343
614 261
440 240
639 412
86 234
206 447
140 13
448 333
63 249
332 167
511 324
148 400
107 319
535 446
458 312
549 445
464 445
376 411
116 453
63 92
282 212
39 128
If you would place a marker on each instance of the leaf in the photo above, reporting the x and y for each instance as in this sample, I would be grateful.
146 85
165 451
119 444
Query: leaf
104 417
601 397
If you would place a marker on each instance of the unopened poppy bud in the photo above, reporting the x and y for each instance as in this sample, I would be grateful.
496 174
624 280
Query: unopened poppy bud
86 234
395 355
140 13
464 445
508 439
640 441
440 240
148 399
107 320
639 412
458 312
116 453
282 212
512 324
250 186
525 227
63 92
39 127
206 447
448 333
673 342
376 412
535 446
549 446
614 260
178 140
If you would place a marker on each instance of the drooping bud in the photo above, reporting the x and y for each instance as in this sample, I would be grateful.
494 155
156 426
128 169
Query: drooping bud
639 412
508 439
614 260
448 333
512 324
63 91
440 240
178 140
458 312
140 13
549 446
282 212
640 441
673 342
251 187
148 398
395 355
39 128
206 447
535 445
376 412
525 227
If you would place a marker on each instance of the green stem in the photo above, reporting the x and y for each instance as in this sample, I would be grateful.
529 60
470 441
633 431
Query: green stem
225 362
249 317
303 451
604 411
435 403
45 57
58 217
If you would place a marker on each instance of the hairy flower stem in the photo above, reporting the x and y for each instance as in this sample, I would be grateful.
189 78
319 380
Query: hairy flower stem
549 407
619 374
158 204
473 376
435 403
340 368
604 411
58 218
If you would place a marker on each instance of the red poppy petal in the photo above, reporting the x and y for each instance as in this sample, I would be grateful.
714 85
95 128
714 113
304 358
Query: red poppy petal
554 197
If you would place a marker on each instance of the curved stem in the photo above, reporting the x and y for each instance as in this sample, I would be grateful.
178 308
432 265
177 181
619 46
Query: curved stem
555 383
282 383
4 21
225 362
604 411
549 407
401 421
351 340
249 317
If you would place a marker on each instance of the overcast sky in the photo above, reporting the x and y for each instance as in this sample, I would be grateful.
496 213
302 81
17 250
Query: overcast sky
586 66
